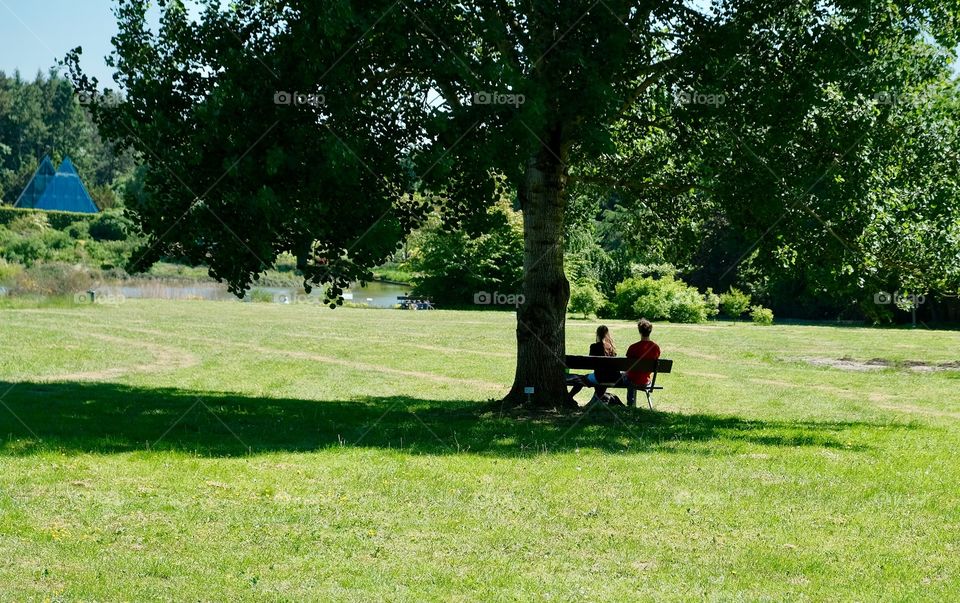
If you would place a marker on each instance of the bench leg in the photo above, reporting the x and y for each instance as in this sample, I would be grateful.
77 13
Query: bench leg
649 398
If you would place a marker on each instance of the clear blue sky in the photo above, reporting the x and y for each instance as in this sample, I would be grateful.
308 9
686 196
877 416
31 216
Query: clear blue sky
34 34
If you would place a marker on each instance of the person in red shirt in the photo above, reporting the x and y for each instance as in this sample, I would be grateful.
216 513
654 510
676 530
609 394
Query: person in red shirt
643 349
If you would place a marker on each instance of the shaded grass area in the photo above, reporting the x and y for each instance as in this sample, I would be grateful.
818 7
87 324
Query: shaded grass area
103 418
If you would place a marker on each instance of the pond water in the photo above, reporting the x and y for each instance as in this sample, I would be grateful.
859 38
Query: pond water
374 294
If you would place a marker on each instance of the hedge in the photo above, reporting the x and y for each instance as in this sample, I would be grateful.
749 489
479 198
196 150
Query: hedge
57 219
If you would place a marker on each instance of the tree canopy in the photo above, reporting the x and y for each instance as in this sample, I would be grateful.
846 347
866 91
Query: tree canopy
332 128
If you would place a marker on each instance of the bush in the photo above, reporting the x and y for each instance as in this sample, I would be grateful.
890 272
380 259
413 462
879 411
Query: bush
19 249
109 226
640 297
878 314
585 299
35 247
761 315
79 230
27 224
607 311
663 298
734 303
103 196
31 237
688 306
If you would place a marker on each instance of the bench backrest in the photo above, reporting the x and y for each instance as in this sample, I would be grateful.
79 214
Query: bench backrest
619 363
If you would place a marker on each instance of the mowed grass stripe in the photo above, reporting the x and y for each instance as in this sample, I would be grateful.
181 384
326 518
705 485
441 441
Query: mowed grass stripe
344 345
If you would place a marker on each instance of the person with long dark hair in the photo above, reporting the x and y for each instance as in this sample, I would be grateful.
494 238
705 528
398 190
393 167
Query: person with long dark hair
603 346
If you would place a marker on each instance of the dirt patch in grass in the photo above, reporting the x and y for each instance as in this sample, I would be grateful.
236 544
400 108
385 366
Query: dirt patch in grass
953 365
850 364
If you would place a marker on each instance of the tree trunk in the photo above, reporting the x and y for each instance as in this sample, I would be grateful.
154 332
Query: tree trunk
542 315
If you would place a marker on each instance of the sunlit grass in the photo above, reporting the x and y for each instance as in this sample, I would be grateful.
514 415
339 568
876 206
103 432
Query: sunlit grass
226 451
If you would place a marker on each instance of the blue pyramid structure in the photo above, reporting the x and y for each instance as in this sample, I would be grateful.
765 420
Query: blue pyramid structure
38 183
59 191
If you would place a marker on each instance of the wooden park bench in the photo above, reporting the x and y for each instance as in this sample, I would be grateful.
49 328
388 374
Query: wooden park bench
620 363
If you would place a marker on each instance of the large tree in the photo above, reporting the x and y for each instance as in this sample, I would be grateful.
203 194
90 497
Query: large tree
822 176
451 100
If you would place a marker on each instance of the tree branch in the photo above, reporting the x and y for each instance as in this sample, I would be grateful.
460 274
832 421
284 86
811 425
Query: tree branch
656 72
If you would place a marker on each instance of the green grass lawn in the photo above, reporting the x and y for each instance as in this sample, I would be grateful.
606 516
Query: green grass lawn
226 451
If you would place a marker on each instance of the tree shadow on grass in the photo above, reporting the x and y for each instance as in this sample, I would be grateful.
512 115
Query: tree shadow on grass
110 418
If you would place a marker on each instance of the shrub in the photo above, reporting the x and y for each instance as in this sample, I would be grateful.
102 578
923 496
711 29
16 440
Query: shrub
56 242
607 311
30 237
585 299
878 314
761 315
109 226
79 230
103 196
18 249
651 297
641 297
688 306
734 303
664 298
30 223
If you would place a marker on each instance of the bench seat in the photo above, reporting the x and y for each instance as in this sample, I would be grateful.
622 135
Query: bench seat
623 364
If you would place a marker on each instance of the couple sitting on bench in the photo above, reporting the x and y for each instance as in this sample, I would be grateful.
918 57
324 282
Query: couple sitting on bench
632 380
